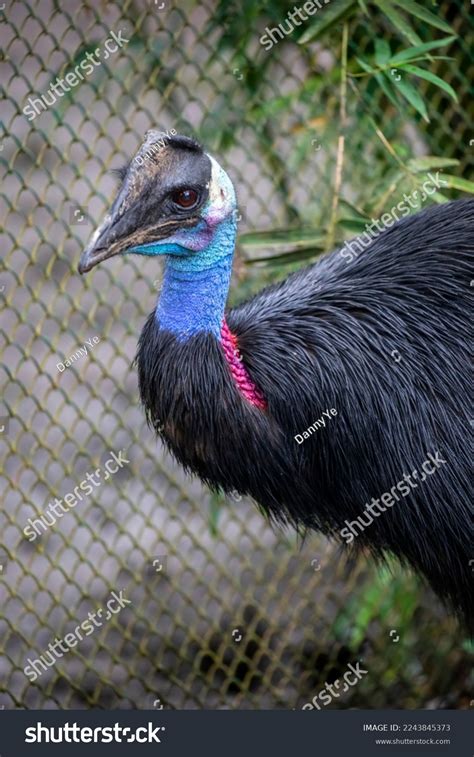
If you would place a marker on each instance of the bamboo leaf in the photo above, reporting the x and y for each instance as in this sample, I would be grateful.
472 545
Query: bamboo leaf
456 182
398 21
216 504
423 74
364 8
414 52
382 52
414 98
294 238
326 17
427 162
417 10
353 224
363 64
294 256
352 210
385 83
468 646
439 198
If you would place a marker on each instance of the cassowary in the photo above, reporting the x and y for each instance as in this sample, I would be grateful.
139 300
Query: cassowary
376 346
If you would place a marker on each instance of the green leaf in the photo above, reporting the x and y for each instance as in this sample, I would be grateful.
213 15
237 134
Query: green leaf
296 256
414 98
439 198
414 52
385 82
352 210
398 21
295 238
327 17
216 503
427 162
363 64
420 12
468 646
423 74
456 182
353 224
382 52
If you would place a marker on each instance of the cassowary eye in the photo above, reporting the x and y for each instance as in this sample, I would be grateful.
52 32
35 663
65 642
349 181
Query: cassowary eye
185 198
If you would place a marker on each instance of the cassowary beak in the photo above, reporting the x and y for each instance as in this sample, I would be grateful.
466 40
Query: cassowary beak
98 248
118 231
115 234
111 238
104 243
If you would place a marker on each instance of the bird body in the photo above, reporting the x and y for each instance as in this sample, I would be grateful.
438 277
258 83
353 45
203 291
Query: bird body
231 392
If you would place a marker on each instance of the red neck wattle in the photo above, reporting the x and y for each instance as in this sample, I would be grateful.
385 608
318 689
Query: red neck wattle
238 370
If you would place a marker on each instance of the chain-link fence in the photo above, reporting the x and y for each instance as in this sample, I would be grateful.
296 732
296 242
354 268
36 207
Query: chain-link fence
224 611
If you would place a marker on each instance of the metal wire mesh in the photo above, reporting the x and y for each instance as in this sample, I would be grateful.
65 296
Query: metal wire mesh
232 614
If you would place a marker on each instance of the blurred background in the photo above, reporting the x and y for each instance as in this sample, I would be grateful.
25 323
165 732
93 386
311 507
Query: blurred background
324 131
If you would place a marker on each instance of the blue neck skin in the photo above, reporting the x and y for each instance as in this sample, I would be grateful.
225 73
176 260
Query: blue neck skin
193 302
195 281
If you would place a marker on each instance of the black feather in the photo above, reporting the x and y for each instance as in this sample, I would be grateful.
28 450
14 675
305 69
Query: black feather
323 339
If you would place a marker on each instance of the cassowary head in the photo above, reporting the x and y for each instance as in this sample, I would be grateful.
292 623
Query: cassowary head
175 200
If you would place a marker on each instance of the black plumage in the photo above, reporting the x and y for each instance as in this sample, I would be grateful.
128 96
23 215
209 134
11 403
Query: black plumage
323 339
382 339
